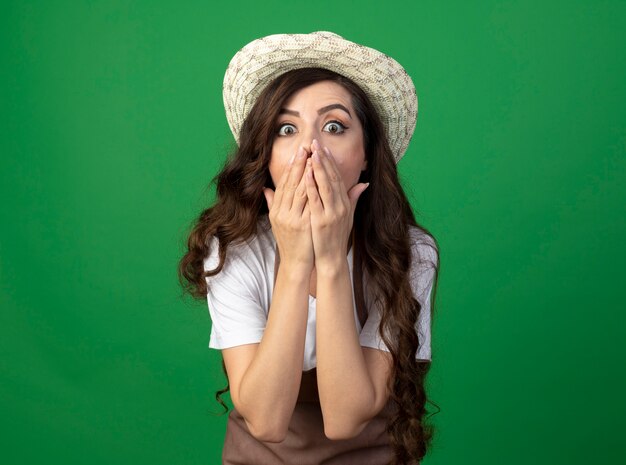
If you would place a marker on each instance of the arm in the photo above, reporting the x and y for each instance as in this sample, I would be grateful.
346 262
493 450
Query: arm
351 379
268 390
270 385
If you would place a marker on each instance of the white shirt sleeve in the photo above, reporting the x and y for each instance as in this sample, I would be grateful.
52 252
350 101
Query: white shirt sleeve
422 273
237 316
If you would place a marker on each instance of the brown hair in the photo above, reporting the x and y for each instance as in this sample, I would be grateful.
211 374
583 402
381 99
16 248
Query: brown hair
382 220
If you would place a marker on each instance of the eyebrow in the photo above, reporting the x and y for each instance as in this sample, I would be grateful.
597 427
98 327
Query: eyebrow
325 109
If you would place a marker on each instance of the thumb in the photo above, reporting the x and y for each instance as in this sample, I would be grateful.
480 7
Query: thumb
269 197
355 193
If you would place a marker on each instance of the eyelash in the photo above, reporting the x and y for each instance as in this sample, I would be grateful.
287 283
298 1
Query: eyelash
343 127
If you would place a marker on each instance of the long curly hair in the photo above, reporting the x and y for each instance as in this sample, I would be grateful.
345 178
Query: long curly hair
382 222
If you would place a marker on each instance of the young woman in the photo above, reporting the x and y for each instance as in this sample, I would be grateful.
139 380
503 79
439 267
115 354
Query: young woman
318 278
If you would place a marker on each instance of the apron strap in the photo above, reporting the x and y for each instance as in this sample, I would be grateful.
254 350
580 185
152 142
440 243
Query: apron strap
357 275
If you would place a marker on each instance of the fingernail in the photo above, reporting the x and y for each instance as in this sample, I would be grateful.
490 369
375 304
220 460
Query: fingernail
301 152
291 159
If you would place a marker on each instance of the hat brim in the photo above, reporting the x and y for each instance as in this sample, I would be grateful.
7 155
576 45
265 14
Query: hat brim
383 79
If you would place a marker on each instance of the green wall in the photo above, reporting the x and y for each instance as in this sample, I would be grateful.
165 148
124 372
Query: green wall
112 126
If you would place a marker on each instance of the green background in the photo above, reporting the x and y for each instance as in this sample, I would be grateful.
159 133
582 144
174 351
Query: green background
112 126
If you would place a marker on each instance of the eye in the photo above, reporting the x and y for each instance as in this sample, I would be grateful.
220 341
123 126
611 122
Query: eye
287 126
335 127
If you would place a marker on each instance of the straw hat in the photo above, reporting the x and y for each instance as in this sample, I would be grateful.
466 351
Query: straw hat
383 79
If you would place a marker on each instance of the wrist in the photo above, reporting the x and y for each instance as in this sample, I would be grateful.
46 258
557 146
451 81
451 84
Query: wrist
331 267
296 271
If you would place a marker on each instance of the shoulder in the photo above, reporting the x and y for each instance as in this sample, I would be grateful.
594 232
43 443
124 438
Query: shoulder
423 247
248 253
424 263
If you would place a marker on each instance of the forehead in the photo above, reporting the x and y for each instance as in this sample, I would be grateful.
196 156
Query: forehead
321 92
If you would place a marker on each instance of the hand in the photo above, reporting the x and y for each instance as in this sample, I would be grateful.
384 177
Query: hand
332 208
290 216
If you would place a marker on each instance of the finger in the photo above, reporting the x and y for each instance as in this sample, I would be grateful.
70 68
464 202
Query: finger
315 202
306 211
325 185
283 180
293 179
285 175
355 193
332 170
300 196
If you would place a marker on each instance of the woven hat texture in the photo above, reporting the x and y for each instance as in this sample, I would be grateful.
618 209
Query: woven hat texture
382 78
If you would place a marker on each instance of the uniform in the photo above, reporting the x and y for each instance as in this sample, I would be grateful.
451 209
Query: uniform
306 443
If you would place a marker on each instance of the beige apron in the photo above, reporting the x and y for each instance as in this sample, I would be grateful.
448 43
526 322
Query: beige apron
306 443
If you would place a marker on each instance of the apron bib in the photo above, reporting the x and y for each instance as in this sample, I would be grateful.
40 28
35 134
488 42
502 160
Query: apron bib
306 443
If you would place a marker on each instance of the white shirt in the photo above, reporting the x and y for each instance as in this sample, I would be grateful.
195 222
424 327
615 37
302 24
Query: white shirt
240 295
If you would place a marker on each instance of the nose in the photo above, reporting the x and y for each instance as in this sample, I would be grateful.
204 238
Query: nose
306 139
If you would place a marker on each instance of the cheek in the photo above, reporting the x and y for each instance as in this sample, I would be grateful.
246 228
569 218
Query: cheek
276 167
350 170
